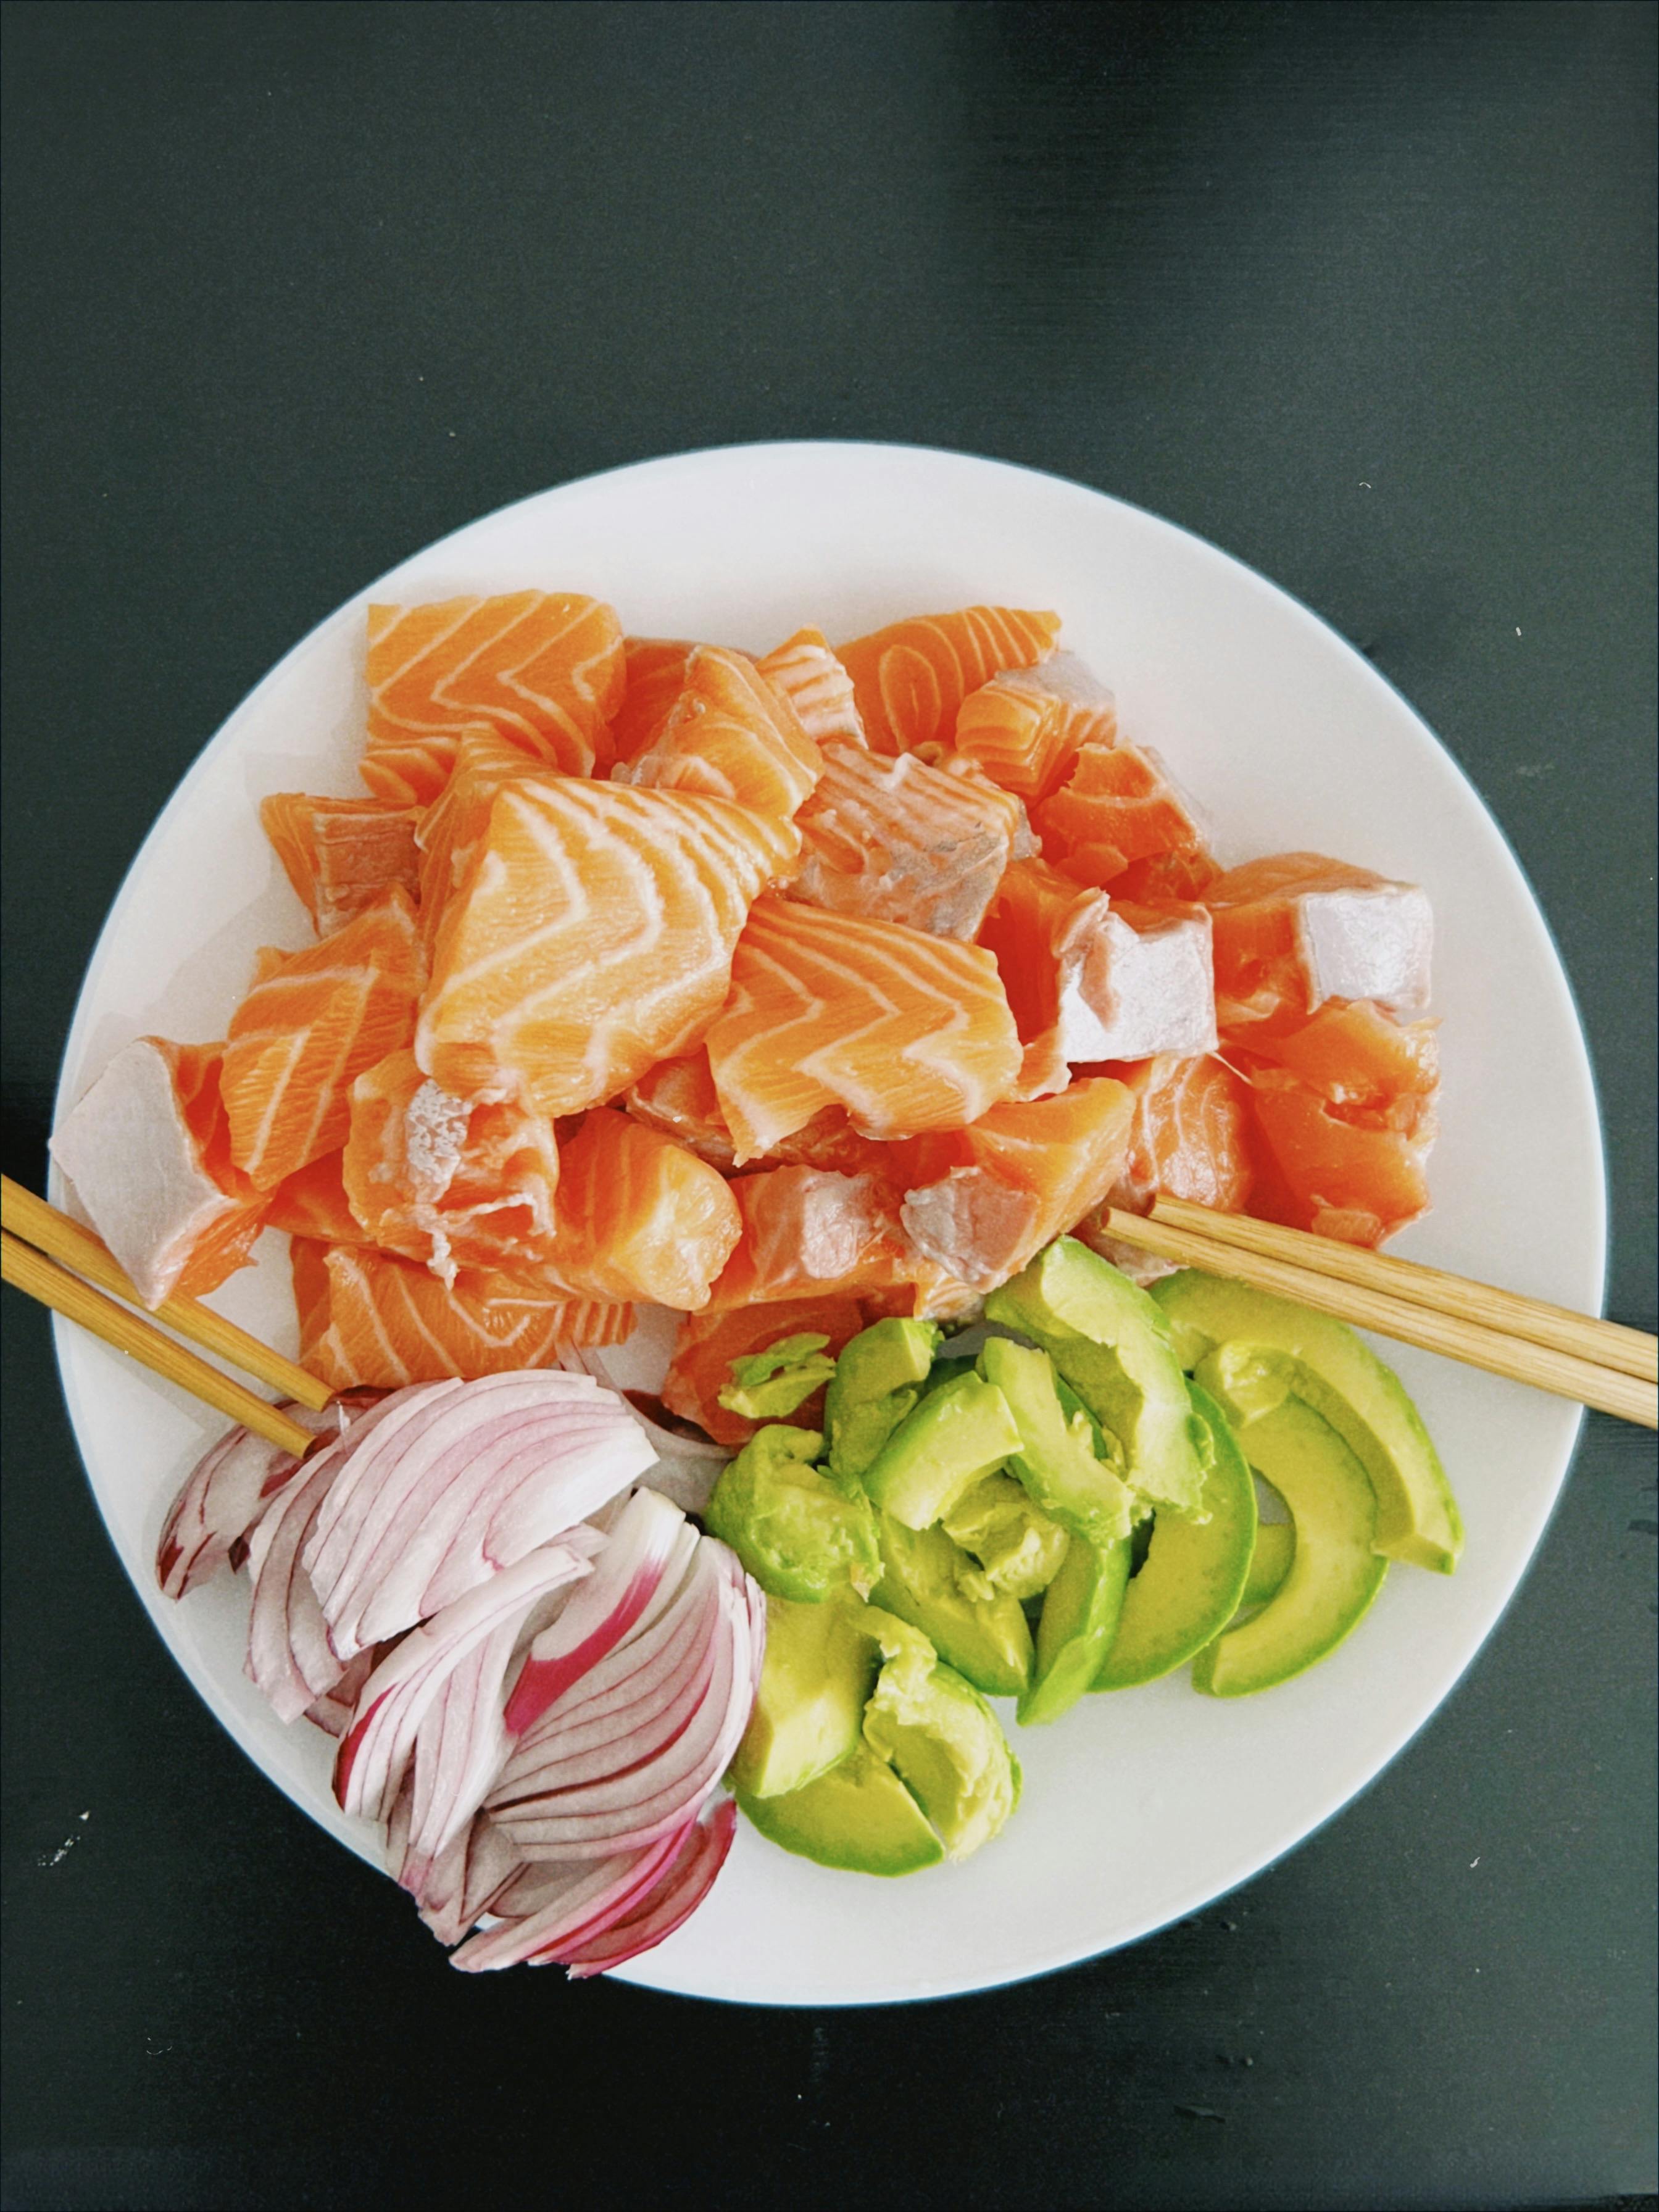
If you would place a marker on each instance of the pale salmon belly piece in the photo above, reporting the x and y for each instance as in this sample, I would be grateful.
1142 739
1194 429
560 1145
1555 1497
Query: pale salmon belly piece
312 1202
369 1321
305 1031
655 678
813 1231
907 1031
1191 1133
911 678
1027 725
707 1343
450 1182
592 938
677 1096
1021 1175
897 840
452 829
729 735
817 685
147 1151
639 1217
1119 805
543 668
341 854
1297 928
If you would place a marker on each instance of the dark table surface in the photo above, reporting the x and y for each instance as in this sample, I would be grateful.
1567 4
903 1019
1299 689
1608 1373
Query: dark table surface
1364 294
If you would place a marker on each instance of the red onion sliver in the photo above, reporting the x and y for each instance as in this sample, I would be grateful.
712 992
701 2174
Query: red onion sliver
672 1902
222 1496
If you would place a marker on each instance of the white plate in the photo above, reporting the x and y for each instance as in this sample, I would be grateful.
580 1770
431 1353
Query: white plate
1139 1807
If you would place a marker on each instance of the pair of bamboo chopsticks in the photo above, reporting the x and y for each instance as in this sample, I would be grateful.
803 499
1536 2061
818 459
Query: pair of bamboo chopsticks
1596 1363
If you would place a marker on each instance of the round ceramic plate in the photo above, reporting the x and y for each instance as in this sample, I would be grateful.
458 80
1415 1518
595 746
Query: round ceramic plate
1138 1807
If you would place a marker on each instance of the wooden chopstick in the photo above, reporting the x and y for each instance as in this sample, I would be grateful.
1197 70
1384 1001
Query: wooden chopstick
141 1339
1606 1343
1565 1374
53 1233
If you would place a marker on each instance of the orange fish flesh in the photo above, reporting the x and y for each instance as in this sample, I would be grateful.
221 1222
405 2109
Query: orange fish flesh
312 1202
593 937
309 1029
897 840
1191 1133
817 685
906 1030
1119 804
641 1217
731 736
1297 928
678 1097
450 1182
813 1231
544 668
369 1321
1026 726
452 829
707 1343
911 678
1344 1171
341 854
655 676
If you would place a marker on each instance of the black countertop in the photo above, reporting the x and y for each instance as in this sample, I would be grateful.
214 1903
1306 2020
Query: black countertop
1362 293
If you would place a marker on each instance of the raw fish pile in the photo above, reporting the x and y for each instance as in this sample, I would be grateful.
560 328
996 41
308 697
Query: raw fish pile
798 990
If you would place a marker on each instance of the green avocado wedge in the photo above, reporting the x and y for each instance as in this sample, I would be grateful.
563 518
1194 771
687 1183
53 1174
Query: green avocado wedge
1253 1351
820 1667
1113 1345
932 1583
1335 1570
859 1816
941 1448
947 1747
1055 1459
1017 1547
1195 1573
1270 1562
877 1379
800 1533
1075 1628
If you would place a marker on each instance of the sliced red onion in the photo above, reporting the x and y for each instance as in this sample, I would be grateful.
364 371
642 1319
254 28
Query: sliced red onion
333 1710
377 1747
462 1480
223 1495
674 1900
558 1915
464 1881
648 1537
288 1653
686 1466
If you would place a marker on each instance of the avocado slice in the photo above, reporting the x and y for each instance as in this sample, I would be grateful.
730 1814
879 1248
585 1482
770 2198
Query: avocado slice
859 1816
928 1581
1335 1569
877 1380
820 1667
770 1385
941 1448
1017 1547
1253 1351
1056 1460
1192 1580
1075 1631
1270 1562
800 1533
943 1742
1113 1345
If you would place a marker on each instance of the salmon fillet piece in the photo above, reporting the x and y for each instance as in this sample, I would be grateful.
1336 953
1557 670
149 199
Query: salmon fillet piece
639 1217
678 1097
1119 804
368 1319
545 669
817 685
313 1023
707 1343
312 1202
592 938
729 735
813 1231
1297 928
654 678
341 854
1026 726
1191 1135
906 1030
452 829
910 679
147 1149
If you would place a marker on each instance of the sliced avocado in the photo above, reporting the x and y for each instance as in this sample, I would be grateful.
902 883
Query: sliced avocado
1335 1569
1078 1620
798 1531
944 1744
1113 1345
1189 1585
820 1667
1255 1350
768 1386
943 1446
1270 1562
930 1583
1017 1547
877 1380
1056 1460
859 1815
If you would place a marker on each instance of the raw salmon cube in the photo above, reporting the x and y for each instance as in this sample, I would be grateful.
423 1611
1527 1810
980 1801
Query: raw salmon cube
1298 928
341 854
911 678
